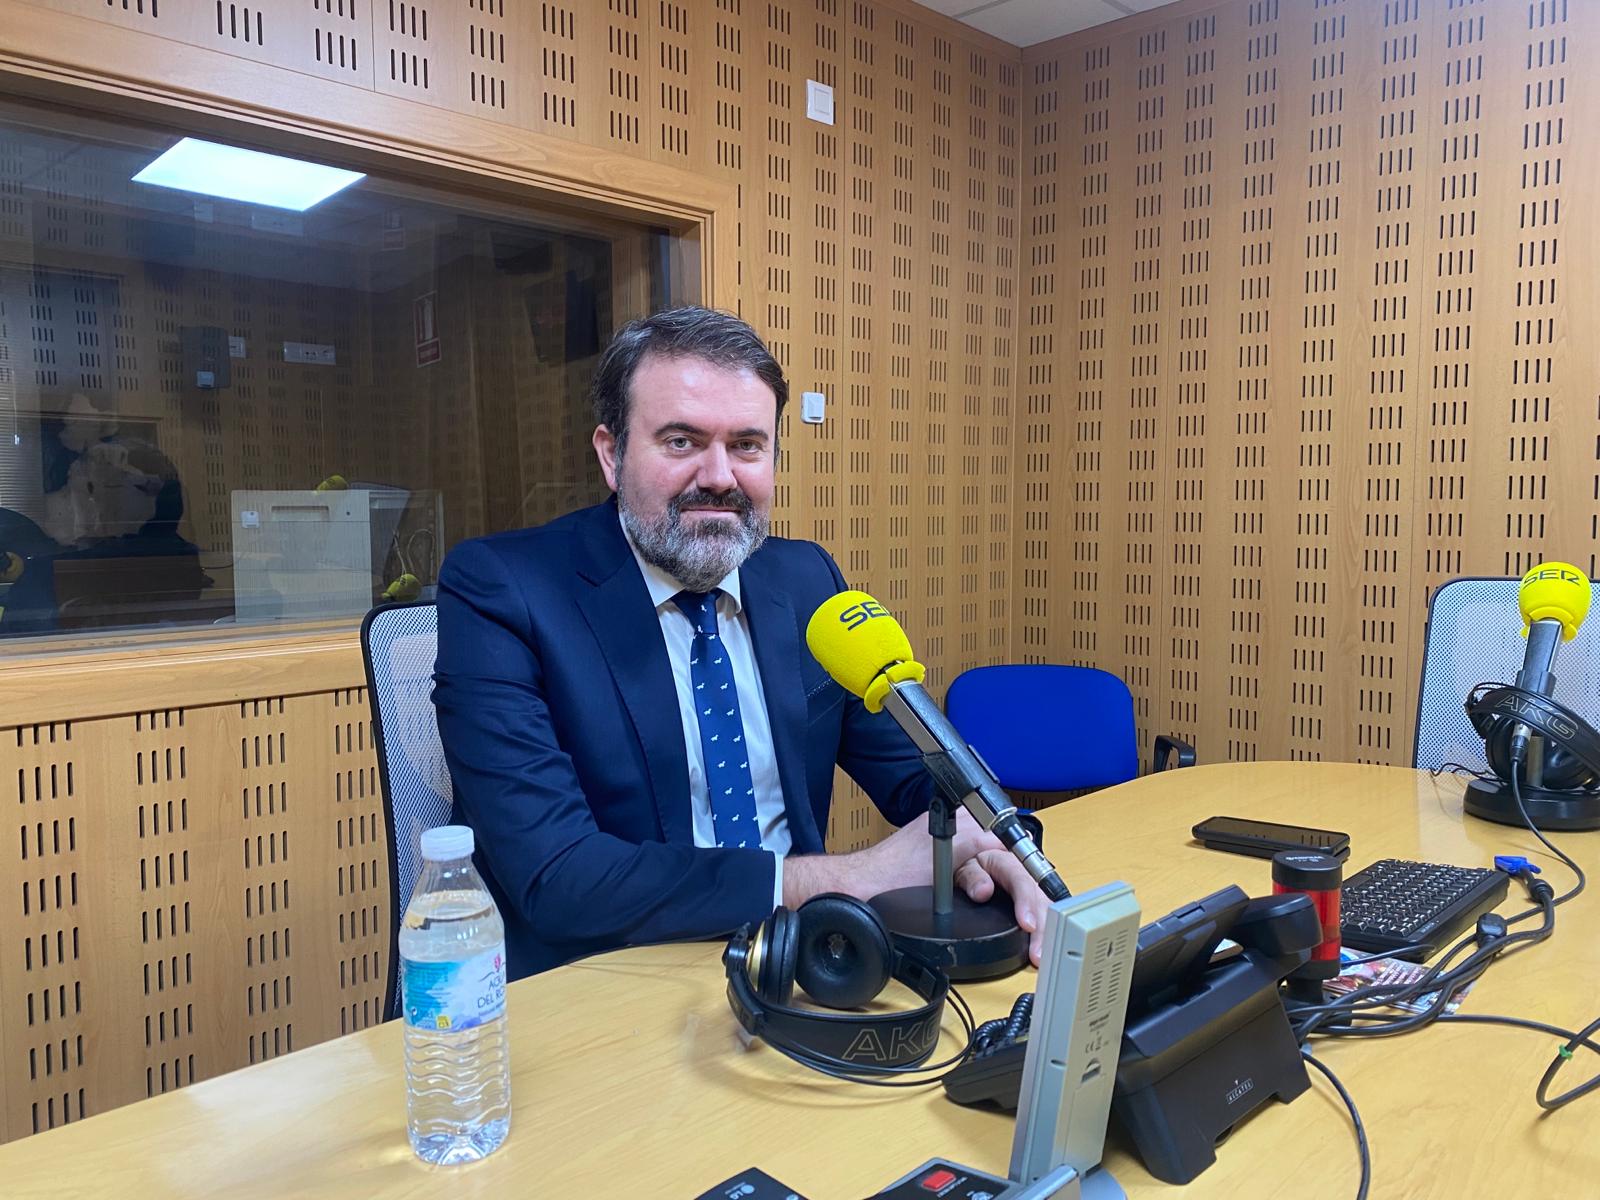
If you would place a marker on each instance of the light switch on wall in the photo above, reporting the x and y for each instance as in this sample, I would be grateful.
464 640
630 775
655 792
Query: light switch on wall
819 102
811 406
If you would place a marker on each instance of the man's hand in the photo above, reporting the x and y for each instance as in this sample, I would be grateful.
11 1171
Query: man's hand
905 859
995 864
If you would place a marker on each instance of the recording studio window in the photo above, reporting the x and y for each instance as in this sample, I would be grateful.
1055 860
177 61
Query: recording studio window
238 392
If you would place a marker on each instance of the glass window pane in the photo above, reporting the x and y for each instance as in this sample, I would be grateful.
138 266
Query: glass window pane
217 411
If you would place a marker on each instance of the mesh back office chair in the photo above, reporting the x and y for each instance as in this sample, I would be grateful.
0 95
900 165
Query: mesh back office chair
1475 636
1046 728
398 645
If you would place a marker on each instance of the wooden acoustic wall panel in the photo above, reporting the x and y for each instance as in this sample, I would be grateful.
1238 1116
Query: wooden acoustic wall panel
45 1018
1042 530
925 614
1246 194
330 38
996 458
188 890
818 275
1341 259
1197 291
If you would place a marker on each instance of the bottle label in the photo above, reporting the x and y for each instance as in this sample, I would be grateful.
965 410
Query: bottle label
447 997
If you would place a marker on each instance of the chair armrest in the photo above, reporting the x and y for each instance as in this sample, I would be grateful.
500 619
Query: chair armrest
1165 746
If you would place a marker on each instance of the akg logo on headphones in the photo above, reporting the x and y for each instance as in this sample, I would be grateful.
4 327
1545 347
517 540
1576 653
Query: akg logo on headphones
1556 723
859 614
918 1039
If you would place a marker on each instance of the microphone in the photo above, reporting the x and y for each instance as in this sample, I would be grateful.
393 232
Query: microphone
1554 599
867 653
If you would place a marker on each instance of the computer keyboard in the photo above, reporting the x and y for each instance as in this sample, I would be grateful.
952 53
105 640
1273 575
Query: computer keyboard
1395 903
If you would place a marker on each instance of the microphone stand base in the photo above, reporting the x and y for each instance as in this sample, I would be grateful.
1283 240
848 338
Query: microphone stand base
973 941
1548 810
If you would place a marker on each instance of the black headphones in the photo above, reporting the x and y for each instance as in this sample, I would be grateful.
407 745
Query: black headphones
1572 747
839 951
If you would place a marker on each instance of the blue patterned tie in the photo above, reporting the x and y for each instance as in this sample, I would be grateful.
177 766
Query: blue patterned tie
716 706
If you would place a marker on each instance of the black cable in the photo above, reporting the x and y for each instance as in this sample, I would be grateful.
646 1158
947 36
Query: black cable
1574 1040
1577 1039
1312 1019
1436 976
1455 768
1001 1030
1448 982
1563 1054
1516 794
1355 1117
1374 957
1443 987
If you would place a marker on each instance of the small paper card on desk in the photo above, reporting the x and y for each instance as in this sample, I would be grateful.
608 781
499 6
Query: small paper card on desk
751 1185
1391 972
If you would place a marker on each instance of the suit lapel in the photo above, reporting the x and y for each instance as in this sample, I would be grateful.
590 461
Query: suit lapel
618 609
776 638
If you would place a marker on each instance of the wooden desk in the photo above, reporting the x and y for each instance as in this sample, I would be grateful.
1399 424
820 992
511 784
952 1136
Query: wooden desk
627 1069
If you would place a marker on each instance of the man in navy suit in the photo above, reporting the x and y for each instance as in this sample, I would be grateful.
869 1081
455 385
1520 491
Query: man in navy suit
633 723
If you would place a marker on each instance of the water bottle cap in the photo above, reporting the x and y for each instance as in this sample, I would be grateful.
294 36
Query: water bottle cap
447 842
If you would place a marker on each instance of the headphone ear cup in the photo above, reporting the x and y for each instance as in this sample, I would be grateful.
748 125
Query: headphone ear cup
1564 771
775 974
846 955
1496 733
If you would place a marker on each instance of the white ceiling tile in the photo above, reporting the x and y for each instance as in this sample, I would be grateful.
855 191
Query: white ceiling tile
1024 22
1027 22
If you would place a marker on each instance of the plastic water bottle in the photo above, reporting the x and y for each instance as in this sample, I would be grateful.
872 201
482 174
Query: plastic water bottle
453 992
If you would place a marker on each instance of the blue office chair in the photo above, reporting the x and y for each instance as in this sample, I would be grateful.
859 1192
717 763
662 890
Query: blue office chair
1474 636
398 644
1045 728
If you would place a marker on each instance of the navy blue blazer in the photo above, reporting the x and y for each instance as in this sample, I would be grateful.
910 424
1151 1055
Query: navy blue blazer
560 724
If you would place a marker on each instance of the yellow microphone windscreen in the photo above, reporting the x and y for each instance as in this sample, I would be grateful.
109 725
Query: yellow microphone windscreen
1555 591
855 639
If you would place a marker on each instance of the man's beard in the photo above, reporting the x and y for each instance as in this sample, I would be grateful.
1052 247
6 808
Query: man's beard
702 555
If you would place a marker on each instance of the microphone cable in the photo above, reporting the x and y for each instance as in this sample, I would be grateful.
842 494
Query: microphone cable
1563 1053
1518 760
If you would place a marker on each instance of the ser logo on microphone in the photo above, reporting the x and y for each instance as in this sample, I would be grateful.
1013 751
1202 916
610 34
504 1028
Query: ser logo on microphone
1562 574
859 614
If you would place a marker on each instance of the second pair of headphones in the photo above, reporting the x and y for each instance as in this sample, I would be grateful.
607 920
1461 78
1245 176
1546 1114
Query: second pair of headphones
1572 746
839 952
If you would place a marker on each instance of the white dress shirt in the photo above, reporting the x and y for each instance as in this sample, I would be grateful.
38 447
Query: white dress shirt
734 632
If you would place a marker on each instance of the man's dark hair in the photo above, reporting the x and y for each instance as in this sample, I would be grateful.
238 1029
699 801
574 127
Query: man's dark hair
689 332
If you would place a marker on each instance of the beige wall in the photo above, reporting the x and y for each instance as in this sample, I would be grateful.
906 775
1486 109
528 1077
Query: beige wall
1307 284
